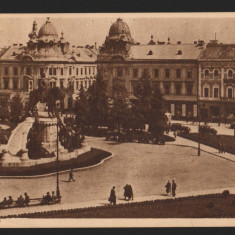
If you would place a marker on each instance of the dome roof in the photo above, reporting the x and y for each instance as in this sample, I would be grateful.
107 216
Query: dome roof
47 29
119 27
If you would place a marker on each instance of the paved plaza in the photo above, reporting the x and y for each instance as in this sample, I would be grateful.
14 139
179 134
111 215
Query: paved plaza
146 167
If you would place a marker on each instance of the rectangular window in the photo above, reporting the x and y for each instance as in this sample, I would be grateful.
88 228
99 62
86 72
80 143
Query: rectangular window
76 71
6 83
167 73
50 71
189 90
77 85
178 73
6 70
230 93
156 73
167 89
15 71
28 71
61 71
119 72
89 70
41 72
15 83
85 71
93 70
189 73
81 71
216 92
85 84
145 71
135 73
206 92
54 71
70 71
61 83
178 89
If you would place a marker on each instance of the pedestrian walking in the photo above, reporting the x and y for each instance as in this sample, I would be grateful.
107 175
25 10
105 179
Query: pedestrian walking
168 187
112 197
175 134
173 188
71 176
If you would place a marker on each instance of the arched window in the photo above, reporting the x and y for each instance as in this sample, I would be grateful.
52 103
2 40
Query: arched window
206 73
230 73
216 73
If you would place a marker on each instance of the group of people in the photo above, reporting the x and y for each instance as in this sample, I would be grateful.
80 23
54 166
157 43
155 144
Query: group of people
171 188
128 194
20 202
49 198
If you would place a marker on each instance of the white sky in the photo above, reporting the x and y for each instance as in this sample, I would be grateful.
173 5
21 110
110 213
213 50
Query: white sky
82 29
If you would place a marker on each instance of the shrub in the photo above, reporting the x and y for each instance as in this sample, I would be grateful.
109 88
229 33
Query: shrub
225 193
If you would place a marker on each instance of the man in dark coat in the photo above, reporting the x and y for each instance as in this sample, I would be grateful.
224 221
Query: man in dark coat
173 188
112 197
26 199
71 176
168 187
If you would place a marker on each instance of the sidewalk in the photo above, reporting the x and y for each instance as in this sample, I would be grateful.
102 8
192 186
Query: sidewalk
189 143
69 206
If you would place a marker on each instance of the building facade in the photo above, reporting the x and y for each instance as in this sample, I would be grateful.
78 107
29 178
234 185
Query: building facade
217 80
46 57
173 66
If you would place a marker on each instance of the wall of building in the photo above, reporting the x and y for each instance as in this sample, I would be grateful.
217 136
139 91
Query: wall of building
17 77
179 88
217 87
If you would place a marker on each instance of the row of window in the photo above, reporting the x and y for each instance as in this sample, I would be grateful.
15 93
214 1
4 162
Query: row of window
81 71
15 83
216 92
53 71
28 71
216 73
178 89
156 73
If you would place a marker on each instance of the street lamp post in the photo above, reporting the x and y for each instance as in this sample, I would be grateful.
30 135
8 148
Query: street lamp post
198 117
57 162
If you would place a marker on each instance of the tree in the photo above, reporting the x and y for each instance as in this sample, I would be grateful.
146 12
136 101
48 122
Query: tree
16 109
157 119
119 106
98 103
149 106
81 109
142 104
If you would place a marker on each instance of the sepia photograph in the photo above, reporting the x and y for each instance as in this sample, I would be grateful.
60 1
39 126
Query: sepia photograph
117 117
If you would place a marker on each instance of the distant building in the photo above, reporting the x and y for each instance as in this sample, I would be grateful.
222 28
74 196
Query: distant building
173 66
49 57
217 80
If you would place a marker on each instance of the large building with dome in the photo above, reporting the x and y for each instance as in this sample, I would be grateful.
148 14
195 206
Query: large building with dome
187 74
46 56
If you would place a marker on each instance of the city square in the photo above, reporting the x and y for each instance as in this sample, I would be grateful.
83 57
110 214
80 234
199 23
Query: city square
143 114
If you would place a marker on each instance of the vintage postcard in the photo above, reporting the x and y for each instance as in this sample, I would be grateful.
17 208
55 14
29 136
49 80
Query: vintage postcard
117 120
